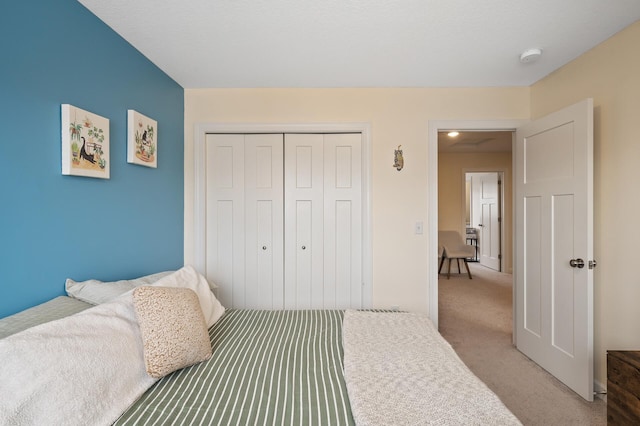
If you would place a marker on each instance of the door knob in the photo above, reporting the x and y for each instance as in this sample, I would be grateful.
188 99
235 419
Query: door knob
304 247
264 247
576 263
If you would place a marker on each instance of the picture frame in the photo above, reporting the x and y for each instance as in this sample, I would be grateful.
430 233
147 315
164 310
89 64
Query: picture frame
142 139
85 143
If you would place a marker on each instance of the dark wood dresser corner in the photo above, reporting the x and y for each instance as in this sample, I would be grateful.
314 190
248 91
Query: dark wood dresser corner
623 387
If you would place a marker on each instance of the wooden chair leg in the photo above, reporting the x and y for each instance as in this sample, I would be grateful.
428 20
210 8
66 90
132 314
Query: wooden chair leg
458 262
449 270
468 271
441 263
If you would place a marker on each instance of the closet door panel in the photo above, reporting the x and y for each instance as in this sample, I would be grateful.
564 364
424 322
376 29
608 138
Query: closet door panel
224 259
342 267
260 265
304 252
221 264
264 268
304 165
343 220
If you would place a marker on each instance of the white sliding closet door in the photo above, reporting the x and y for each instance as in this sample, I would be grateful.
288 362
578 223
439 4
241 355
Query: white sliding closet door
323 231
244 219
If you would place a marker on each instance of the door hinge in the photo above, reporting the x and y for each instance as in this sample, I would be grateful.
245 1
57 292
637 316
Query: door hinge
592 264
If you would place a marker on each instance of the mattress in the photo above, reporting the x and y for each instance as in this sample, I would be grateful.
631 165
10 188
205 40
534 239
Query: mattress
267 367
53 309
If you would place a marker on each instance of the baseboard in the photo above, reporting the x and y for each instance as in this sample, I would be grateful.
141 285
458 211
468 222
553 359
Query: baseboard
600 390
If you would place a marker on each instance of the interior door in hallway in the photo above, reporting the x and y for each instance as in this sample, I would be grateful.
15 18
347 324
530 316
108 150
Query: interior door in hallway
488 196
554 250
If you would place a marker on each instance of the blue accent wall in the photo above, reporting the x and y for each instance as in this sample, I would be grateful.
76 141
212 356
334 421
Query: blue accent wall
54 226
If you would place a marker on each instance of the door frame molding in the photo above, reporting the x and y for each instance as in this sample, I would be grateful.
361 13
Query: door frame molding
435 126
199 171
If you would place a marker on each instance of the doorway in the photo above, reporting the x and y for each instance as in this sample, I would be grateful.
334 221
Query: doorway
435 175
563 345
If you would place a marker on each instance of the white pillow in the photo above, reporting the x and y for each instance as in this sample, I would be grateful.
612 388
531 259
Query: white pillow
188 277
97 292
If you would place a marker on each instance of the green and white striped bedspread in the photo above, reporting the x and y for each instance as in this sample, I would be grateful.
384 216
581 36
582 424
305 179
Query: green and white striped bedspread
267 368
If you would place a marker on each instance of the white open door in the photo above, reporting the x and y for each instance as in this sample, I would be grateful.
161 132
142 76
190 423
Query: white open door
488 194
554 249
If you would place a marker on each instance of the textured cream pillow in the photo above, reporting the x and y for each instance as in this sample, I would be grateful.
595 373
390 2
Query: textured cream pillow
173 328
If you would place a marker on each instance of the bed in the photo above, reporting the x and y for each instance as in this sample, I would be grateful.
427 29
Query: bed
316 367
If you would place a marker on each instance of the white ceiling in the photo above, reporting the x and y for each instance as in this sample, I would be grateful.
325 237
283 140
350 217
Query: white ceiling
361 43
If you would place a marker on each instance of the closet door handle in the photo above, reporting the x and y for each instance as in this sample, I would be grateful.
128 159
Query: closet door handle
264 247
304 247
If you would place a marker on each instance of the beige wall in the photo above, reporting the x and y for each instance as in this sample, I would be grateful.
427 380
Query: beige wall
610 74
399 199
451 185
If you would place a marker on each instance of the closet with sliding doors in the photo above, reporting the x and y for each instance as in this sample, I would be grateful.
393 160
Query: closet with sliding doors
283 220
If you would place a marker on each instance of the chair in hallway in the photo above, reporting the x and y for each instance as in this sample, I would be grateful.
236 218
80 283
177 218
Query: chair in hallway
454 248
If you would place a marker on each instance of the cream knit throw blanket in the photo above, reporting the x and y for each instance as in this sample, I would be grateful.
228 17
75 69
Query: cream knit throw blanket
400 371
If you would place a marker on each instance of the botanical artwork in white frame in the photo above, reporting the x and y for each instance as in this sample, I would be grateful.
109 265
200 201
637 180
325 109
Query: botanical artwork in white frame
142 137
85 143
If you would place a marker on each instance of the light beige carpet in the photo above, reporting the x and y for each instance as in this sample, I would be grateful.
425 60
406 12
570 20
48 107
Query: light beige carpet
475 318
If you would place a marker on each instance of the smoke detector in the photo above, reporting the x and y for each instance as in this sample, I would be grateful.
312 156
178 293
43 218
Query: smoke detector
530 55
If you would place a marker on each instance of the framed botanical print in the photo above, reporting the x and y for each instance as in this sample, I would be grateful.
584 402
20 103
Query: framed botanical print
142 137
85 143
